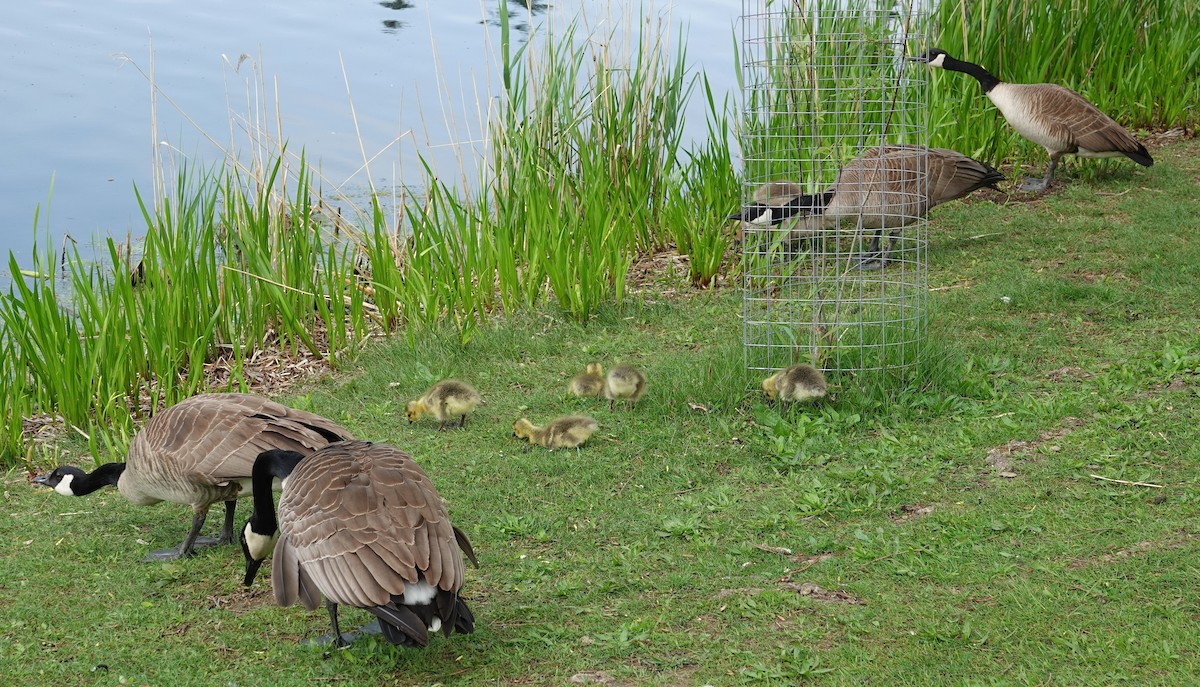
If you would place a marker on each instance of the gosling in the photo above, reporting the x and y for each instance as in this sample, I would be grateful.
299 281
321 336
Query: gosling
626 383
590 382
796 383
564 432
446 400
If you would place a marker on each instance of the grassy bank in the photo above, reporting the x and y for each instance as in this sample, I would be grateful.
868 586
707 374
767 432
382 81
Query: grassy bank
585 174
953 536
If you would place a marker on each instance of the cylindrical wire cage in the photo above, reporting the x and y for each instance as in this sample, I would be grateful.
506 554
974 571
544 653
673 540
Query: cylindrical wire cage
834 133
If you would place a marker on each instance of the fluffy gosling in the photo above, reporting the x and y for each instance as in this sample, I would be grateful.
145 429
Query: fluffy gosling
446 400
625 383
796 383
563 432
590 382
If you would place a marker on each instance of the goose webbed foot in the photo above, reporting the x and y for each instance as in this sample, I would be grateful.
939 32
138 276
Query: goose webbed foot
1035 185
871 262
343 639
165 555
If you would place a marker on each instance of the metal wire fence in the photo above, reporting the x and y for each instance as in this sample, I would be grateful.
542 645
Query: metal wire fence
834 133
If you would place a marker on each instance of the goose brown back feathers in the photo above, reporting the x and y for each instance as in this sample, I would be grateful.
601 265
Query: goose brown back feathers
362 524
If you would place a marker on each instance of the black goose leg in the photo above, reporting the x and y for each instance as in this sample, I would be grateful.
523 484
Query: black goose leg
338 639
227 529
187 547
1039 186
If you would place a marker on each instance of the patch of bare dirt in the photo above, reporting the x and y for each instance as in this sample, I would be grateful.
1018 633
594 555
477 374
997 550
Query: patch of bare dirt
820 594
1178 541
910 512
1003 458
1069 372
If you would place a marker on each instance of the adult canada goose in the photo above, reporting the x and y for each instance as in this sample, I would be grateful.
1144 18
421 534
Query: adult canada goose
797 383
563 432
446 400
884 188
198 452
624 382
590 382
360 524
1052 116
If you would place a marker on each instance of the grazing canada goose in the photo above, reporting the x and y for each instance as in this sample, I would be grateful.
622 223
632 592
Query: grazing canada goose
362 525
1052 116
624 382
198 452
563 432
884 188
445 401
797 383
590 382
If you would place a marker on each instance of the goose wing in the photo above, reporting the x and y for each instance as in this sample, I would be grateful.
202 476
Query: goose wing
213 438
1069 117
361 521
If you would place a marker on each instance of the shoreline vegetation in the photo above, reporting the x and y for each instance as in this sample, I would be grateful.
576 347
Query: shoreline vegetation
585 174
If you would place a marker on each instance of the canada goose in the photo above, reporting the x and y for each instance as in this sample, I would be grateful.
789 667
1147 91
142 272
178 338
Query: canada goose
563 432
624 382
362 525
796 383
198 452
590 382
445 401
884 188
1052 116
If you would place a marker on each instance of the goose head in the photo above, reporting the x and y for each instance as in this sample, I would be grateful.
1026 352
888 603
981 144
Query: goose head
934 57
256 546
261 532
60 479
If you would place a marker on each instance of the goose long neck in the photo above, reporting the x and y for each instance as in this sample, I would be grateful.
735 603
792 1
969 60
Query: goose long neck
105 475
986 79
269 465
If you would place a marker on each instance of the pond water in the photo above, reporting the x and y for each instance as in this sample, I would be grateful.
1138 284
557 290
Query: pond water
75 104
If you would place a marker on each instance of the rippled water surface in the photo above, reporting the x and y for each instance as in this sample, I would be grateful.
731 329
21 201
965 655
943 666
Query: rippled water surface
75 106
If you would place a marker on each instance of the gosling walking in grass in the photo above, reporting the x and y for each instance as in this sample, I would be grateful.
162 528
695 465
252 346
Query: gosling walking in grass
570 431
624 383
446 400
797 383
590 382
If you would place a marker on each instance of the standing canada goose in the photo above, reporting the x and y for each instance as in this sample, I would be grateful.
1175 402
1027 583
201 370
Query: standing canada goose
797 383
624 382
563 432
1052 116
198 452
362 525
590 382
445 401
885 188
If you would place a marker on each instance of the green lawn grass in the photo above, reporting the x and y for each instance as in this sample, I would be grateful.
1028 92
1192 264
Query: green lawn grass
950 534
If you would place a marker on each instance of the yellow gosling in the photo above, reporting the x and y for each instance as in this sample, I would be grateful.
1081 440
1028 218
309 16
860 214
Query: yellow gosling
624 383
590 382
564 432
797 383
446 400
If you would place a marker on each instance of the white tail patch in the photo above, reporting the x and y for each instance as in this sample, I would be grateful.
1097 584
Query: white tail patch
419 593
64 486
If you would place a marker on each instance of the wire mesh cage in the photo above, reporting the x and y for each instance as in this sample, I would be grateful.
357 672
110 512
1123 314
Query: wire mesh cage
834 138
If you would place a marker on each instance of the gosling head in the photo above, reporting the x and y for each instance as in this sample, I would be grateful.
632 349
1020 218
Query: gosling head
522 428
414 410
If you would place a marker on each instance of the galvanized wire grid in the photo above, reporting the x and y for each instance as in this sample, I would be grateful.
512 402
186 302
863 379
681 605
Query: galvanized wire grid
824 86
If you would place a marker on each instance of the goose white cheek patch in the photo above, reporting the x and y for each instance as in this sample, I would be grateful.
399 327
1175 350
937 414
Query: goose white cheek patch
64 486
